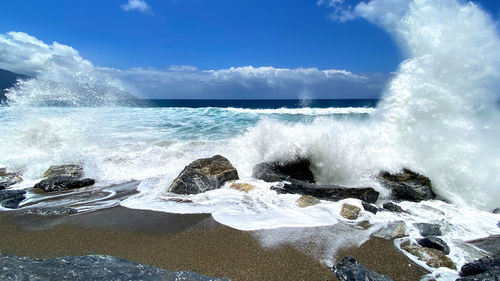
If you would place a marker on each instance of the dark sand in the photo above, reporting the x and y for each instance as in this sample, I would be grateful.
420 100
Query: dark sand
182 242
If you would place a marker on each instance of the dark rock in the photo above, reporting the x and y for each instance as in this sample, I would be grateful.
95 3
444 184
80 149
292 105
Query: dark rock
489 244
496 211
203 175
408 185
11 198
487 268
432 257
281 171
93 267
73 171
428 229
8 179
435 243
392 207
369 207
348 269
55 211
327 192
62 183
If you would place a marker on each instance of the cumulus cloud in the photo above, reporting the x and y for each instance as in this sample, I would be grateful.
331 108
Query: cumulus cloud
23 53
137 5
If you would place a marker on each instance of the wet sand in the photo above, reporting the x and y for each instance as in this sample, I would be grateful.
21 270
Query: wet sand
182 242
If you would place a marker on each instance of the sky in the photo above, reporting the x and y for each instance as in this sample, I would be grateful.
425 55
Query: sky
207 49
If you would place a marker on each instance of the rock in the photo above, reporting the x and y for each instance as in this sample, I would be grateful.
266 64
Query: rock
61 183
11 198
348 269
327 192
393 230
434 243
306 201
245 187
407 185
203 175
73 171
432 257
369 207
8 179
55 211
392 207
487 268
489 244
92 267
496 211
280 171
428 229
349 211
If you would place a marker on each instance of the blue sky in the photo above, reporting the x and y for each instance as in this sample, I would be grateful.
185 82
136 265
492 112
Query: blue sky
209 35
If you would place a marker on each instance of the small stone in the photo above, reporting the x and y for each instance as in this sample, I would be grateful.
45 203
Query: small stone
369 207
348 269
428 229
63 183
245 187
434 243
392 207
496 211
394 230
306 201
349 211
432 257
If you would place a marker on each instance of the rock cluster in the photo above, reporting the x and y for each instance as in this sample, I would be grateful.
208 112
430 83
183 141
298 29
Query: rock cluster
63 177
53 211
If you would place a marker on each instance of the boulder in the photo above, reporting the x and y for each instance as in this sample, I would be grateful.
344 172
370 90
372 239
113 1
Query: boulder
62 183
348 269
11 198
434 243
48 212
490 244
393 230
92 267
432 257
428 229
74 171
327 192
393 207
281 171
487 268
245 187
306 201
8 179
349 211
370 207
203 175
407 185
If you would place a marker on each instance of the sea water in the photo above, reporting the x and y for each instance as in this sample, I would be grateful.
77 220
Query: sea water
438 116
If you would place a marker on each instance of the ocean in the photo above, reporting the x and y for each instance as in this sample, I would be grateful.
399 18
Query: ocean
438 116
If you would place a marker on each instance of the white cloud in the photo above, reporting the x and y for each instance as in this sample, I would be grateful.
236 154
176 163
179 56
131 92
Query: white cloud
23 53
137 5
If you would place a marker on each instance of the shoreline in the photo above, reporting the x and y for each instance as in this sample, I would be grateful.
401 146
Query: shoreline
175 242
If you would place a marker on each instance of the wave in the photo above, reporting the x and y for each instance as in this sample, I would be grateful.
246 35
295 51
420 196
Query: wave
305 110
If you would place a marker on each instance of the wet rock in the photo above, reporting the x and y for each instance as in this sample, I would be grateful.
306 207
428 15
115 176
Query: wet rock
48 212
93 267
11 198
496 211
392 207
432 257
489 244
8 179
428 229
327 192
487 268
73 171
349 211
407 185
245 187
62 183
348 269
306 201
434 243
393 230
280 171
370 207
203 175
